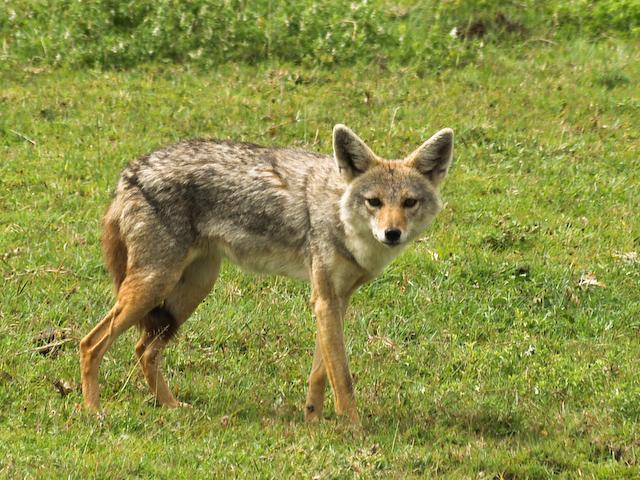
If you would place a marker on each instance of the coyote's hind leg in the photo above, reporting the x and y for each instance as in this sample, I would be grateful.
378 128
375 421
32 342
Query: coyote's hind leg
160 325
138 294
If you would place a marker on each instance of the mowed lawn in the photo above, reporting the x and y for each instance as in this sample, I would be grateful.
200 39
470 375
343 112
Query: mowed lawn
504 344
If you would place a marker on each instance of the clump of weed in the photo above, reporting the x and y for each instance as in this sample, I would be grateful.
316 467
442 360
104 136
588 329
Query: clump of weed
511 234
611 79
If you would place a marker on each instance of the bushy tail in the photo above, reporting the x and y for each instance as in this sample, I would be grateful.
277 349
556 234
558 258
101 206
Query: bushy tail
113 247
159 322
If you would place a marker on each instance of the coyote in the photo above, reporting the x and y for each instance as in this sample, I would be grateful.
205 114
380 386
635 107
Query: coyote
334 221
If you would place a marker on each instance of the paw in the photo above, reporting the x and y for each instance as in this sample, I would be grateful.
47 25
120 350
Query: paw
177 404
92 407
351 427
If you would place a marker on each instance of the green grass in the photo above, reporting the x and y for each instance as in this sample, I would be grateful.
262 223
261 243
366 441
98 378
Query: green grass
124 33
477 354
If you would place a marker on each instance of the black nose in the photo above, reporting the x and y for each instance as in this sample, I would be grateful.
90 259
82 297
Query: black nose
392 234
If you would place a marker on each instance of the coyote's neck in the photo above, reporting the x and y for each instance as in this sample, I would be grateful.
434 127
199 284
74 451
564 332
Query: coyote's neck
368 252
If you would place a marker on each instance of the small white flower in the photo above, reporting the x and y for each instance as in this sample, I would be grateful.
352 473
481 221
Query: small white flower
194 54
589 280
629 257
454 32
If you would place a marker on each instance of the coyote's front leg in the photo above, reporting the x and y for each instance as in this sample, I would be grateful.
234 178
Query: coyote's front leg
331 358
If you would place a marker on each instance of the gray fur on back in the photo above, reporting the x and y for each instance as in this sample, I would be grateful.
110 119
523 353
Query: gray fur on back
235 193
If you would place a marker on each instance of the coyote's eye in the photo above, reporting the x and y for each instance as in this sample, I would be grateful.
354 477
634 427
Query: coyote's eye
374 202
409 203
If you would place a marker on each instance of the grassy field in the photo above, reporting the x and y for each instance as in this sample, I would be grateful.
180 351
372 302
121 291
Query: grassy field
503 345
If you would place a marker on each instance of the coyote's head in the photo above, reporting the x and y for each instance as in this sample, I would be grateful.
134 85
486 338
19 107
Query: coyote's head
393 200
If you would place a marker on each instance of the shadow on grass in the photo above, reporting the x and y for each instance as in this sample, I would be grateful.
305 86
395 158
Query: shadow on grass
478 420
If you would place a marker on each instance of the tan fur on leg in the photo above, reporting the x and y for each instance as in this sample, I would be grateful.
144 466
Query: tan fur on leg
329 310
90 358
135 298
148 351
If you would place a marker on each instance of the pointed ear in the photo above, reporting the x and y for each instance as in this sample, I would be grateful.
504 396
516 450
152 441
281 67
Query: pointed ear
352 155
433 158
